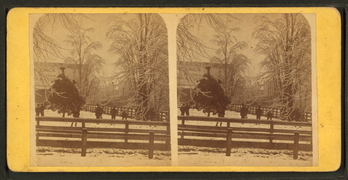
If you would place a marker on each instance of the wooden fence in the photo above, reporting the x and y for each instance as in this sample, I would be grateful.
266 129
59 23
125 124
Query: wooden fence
163 116
279 135
306 116
59 133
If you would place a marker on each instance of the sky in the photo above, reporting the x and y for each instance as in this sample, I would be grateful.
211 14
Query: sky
101 24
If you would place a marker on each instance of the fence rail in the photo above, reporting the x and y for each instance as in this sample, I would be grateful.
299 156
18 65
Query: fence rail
264 135
163 116
305 117
59 133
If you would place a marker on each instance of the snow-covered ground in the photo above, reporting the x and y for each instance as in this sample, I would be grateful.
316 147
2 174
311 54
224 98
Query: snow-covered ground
233 114
99 157
86 114
96 157
228 114
203 156
193 156
188 155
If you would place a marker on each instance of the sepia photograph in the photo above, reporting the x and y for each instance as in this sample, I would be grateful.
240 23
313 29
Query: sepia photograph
174 89
244 90
100 90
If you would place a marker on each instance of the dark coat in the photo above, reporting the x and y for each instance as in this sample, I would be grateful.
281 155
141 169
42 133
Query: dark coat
113 112
221 113
296 115
182 110
98 111
244 111
258 112
76 114
187 110
124 114
269 114
151 114
37 110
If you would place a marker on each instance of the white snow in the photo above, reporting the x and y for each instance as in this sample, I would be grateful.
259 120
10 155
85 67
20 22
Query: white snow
233 114
244 157
86 114
99 157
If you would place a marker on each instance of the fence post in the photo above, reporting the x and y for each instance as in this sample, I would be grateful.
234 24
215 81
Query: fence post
228 142
37 138
84 142
83 124
126 133
37 133
151 144
271 132
182 131
168 132
296 141
309 117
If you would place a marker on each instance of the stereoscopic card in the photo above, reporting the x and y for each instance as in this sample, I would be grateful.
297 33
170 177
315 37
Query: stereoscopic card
173 89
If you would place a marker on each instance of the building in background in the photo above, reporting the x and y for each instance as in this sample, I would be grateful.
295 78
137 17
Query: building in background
262 93
44 75
189 73
266 94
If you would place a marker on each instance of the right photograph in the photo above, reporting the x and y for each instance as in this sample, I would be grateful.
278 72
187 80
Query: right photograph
244 92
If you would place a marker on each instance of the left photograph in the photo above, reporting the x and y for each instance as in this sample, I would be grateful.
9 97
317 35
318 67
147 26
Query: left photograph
99 90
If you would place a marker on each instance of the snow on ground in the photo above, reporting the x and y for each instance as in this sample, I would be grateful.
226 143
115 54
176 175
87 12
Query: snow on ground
188 155
203 156
241 157
233 114
86 114
96 157
99 157
228 114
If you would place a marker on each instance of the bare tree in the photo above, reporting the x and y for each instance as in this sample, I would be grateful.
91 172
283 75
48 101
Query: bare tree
190 47
286 45
87 63
46 47
232 63
141 44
